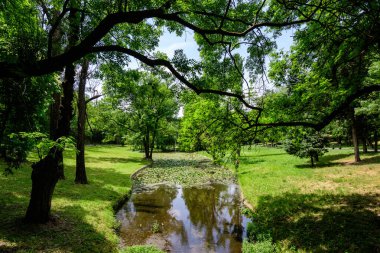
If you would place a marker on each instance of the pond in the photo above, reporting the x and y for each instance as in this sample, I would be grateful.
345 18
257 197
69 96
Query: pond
184 219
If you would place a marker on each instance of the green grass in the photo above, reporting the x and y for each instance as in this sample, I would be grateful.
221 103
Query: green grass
84 215
142 249
331 208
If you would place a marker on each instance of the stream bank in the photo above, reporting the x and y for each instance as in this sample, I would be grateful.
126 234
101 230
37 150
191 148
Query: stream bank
184 203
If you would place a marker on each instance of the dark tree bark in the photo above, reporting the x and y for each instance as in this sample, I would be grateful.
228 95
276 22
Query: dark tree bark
312 161
4 120
55 106
365 147
45 176
47 171
375 137
146 144
354 135
80 174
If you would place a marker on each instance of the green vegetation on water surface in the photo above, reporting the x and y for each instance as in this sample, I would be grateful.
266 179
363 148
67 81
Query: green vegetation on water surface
331 208
183 169
83 214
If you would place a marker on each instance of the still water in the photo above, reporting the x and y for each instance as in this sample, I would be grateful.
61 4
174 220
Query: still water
192 219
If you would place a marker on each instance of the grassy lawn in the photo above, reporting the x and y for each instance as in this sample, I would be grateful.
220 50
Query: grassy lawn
334 207
84 216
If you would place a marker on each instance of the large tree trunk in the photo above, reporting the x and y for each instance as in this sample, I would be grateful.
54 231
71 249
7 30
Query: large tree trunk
355 136
66 113
375 137
55 106
80 173
45 175
47 171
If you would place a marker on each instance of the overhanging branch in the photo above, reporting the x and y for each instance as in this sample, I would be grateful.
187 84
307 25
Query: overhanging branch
325 120
172 69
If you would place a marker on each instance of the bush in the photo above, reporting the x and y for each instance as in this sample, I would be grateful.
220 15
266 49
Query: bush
264 246
308 145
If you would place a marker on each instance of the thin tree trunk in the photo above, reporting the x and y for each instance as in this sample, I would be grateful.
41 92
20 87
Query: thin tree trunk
152 146
355 137
238 150
312 161
146 145
80 173
365 148
375 137
4 120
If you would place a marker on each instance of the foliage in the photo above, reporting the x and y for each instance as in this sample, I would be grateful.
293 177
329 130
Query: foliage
211 124
325 209
307 145
18 146
84 218
144 104
264 246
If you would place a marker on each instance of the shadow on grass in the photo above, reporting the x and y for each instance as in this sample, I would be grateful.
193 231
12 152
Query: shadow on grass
73 205
321 223
370 158
251 160
327 158
67 232
328 161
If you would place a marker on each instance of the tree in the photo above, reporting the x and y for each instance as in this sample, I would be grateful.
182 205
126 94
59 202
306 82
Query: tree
80 172
212 124
147 103
121 29
307 145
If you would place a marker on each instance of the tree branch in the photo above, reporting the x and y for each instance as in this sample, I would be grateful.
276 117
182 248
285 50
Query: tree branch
93 98
56 63
171 68
325 120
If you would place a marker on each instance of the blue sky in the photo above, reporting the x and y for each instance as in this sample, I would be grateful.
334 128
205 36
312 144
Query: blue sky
169 42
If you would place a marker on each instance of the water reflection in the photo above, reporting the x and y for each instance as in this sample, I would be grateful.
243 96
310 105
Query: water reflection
195 219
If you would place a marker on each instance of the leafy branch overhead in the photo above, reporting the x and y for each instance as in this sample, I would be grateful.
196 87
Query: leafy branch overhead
132 28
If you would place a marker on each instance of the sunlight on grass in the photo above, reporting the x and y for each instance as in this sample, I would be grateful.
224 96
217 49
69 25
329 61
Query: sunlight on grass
83 214
333 207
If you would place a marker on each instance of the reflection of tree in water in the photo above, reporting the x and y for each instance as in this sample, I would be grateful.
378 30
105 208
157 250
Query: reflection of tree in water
215 212
147 208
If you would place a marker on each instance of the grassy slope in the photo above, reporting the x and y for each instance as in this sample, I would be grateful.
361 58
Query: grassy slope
84 213
334 207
